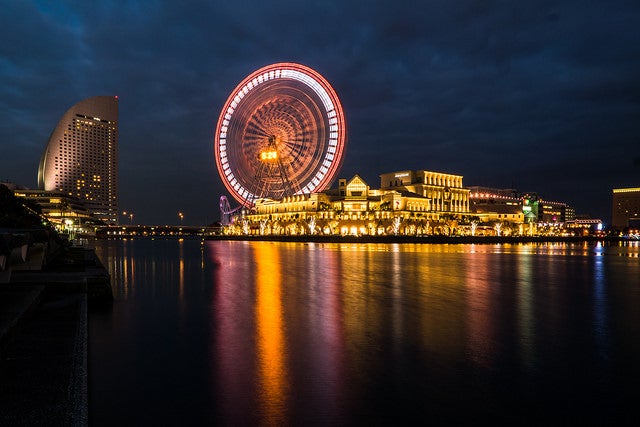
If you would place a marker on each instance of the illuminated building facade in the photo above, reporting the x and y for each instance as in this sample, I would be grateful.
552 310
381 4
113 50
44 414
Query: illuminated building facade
414 203
626 208
443 191
356 209
62 210
585 227
519 214
493 204
550 213
81 157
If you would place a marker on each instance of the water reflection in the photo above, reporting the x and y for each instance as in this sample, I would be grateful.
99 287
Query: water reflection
480 308
270 334
231 311
320 286
341 334
525 277
600 304
181 266
265 347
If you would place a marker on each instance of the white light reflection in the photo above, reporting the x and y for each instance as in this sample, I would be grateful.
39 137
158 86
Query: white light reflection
525 299
600 325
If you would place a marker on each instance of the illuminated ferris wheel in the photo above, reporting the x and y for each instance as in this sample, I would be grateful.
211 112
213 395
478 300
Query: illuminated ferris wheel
281 132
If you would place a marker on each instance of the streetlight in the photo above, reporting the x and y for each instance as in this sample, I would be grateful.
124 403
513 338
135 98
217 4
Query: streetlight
181 216
129 214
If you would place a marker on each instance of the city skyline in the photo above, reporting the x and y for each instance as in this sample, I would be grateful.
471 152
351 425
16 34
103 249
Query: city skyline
536 96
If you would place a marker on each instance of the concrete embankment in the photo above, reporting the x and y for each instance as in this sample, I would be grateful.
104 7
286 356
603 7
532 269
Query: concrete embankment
43 338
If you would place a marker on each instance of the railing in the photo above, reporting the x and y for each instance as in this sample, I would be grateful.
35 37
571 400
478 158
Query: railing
25 250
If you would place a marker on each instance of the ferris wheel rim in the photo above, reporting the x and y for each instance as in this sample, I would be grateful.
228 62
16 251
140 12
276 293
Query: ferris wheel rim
325 168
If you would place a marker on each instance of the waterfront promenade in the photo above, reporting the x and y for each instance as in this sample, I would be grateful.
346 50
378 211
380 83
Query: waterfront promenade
43 335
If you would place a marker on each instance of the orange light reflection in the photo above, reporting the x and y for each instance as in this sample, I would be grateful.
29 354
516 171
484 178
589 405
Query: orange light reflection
181 256
270 334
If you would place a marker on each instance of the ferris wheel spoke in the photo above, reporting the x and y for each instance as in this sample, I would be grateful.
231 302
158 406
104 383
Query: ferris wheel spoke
256 129
298 142
292 146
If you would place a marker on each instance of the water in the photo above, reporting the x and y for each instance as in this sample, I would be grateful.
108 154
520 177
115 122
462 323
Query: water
265 333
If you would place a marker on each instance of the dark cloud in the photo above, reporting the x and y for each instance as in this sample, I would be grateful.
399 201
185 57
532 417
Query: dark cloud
541 95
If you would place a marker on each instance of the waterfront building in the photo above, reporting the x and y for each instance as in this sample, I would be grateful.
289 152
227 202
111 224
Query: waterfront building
412 203
444 192
584 226
62 210
496 205
626 208
354 208
521 214
81 157
569 213
552 213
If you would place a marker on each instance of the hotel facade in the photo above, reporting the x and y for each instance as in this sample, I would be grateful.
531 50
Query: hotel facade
81 157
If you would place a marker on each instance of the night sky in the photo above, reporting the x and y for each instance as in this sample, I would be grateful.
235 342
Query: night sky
536 95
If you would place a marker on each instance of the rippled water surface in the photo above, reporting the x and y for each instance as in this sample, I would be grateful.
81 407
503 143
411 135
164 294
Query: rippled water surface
247 333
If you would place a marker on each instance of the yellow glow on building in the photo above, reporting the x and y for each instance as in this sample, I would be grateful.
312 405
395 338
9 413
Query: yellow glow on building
409 203
626 207
626 190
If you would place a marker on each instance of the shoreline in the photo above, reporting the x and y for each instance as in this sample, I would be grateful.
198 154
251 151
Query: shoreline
395 239
422 239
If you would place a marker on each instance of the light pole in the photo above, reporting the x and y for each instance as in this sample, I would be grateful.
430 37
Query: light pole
129 214
181 216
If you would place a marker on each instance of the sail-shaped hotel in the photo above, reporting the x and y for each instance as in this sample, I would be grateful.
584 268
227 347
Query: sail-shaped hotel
81 157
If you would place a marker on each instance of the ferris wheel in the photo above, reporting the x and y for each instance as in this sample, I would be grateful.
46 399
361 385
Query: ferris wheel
226 213
281 132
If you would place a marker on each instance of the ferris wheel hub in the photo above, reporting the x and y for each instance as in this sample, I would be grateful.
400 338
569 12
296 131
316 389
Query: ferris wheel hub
268 155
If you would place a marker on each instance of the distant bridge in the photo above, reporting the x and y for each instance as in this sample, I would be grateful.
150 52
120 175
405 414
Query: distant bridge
158 231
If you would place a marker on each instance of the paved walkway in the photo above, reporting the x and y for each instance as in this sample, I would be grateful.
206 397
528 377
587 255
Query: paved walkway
43 338
16 301
43 369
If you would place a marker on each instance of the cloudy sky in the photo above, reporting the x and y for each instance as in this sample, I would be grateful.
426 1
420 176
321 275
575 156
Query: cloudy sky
535 95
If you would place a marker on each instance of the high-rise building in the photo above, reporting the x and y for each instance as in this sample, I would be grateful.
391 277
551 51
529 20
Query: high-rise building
81 157
626 207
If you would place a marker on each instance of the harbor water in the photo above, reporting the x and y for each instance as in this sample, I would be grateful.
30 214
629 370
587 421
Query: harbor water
277 333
